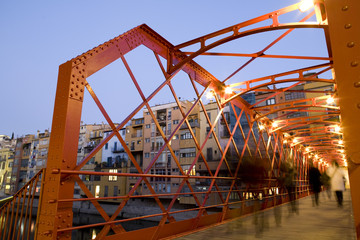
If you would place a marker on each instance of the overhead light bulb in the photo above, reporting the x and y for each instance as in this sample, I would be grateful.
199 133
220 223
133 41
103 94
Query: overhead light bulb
341 141
337 128
209 95
330 100
306 5
228 90
274 124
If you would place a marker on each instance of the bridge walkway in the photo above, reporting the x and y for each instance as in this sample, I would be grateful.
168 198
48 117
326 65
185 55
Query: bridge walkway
325 222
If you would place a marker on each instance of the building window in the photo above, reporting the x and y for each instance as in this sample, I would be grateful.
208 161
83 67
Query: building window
139 121
186 170
209 115
139 133
169 158
147 140
109 161
208 130
169 114
113 178
294 95
175 121
97 191
106 192
174 108
209 154
270 101
186 135
147 126
106 146
147 155
187 152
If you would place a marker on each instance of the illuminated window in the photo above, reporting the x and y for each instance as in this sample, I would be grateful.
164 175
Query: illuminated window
186 170
113 178
97 191
270 101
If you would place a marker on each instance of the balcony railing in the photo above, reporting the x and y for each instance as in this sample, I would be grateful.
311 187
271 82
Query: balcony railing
160 164
192 125
135 135
117 149
96 136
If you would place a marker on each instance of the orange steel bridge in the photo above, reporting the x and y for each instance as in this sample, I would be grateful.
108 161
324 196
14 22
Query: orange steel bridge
272 135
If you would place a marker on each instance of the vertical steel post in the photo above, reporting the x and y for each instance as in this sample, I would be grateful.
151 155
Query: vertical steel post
344 28
62 153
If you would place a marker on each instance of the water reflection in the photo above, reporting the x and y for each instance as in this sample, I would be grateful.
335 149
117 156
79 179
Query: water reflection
22 230
91 233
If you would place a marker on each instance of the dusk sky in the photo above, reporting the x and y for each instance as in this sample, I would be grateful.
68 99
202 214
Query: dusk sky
38 36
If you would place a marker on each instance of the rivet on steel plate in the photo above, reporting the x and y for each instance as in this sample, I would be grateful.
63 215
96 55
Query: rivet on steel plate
350 44
347 26
354 63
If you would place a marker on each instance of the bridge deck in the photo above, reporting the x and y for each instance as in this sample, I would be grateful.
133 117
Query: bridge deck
327 221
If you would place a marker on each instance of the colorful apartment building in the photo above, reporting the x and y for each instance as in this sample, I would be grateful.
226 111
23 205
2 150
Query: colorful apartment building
6 163
21 161
183 148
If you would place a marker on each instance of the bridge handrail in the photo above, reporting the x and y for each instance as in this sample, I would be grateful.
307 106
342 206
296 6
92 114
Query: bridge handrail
16 214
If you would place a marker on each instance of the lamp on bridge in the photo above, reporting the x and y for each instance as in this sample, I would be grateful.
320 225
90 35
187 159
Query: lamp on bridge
306 5
330 100
228 90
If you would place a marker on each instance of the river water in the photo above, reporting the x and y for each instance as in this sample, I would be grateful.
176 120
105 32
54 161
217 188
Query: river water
80 219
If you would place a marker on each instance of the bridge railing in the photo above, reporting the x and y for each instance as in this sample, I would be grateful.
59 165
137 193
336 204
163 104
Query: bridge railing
18 214
183 210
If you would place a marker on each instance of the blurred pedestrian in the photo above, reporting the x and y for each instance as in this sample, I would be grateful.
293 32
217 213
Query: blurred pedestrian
325 181
337 180
287 179
315 183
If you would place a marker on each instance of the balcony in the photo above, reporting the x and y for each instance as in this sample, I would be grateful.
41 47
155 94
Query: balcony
160 164
96 136
88 148
135 135
117 149
137 122
161 115
192 125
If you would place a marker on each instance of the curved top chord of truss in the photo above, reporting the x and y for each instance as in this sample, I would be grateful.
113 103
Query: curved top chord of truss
97 58
283 120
